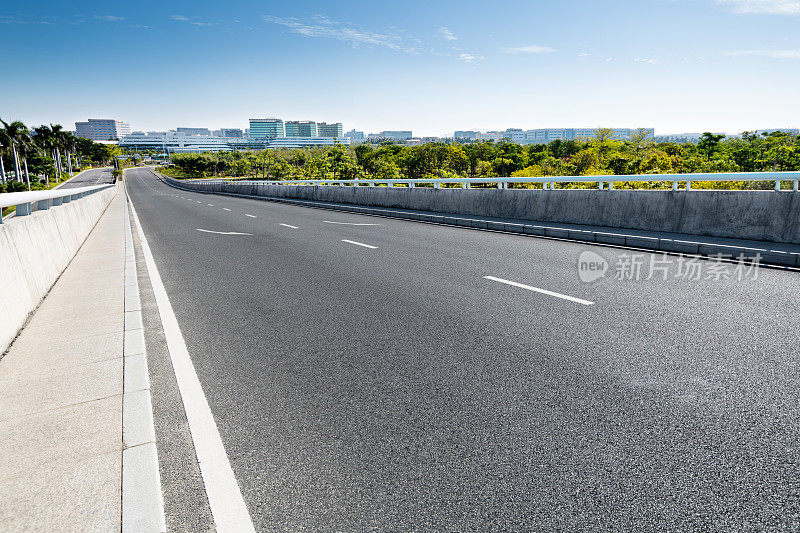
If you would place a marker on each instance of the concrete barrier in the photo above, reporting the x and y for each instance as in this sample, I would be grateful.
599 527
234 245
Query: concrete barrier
755 215
35 250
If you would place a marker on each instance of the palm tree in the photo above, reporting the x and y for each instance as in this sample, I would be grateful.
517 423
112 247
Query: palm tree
15 132
43 136
58 141
4 144
26 147
69 145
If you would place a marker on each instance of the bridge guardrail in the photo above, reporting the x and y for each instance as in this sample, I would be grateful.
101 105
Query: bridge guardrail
548 182
45 199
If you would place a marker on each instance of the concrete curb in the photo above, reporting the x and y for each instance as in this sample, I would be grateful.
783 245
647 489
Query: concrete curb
142 499
769 256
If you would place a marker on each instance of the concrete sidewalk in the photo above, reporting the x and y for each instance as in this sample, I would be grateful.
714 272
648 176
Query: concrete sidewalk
61 395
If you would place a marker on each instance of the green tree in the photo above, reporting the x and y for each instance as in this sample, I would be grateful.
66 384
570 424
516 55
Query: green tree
709 144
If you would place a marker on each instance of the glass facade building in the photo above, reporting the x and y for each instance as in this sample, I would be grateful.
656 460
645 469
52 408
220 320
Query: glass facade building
301 128
268 128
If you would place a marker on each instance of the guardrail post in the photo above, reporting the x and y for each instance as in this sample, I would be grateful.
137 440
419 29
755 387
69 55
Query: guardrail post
688 185
600 185
23 209
43 204
410 185
437 185
610 185
794 186
777 185
465 185
674 185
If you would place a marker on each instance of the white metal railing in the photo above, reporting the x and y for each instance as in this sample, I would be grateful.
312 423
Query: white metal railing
548 182
44 199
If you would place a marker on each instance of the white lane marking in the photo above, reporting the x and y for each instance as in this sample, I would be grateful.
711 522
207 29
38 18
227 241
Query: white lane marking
251 216
224 496
226 209
288 226
210 205
351 223
542 291
222 232
360 244
198 201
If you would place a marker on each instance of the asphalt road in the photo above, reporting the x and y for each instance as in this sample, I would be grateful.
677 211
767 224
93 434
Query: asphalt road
396 388
97 176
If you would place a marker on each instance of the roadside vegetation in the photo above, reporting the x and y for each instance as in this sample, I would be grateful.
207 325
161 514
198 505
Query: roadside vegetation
599 156
43 157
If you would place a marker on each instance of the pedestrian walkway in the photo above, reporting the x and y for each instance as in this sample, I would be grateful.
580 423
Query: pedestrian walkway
61 396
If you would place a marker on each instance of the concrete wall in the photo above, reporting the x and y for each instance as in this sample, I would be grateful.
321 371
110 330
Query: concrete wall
758 215
35 250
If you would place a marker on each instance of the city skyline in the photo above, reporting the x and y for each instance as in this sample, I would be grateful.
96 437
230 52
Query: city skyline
676 65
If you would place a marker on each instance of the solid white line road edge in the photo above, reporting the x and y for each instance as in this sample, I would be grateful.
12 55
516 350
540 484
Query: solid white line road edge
142 497
360 244
224 496
542 291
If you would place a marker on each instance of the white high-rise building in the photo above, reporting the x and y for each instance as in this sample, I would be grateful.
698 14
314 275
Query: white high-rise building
466 135
195 131
102 129
355 136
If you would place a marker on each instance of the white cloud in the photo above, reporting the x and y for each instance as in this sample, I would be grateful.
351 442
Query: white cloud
773 7
648 60
768 54
533 49
320 26
181 18
446 34
470 58
109 18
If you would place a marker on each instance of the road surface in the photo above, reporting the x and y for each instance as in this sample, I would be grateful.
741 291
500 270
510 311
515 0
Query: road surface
96 176
365 374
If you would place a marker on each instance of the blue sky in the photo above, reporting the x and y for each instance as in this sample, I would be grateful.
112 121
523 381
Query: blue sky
429 66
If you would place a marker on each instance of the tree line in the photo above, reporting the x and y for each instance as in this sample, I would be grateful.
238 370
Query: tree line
601 155
32 158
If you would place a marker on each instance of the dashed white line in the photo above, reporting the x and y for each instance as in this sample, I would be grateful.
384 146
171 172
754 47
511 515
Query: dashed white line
210 205
288 226
541 291
198 201
222 232
351 223
225 209
360 244
248 215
